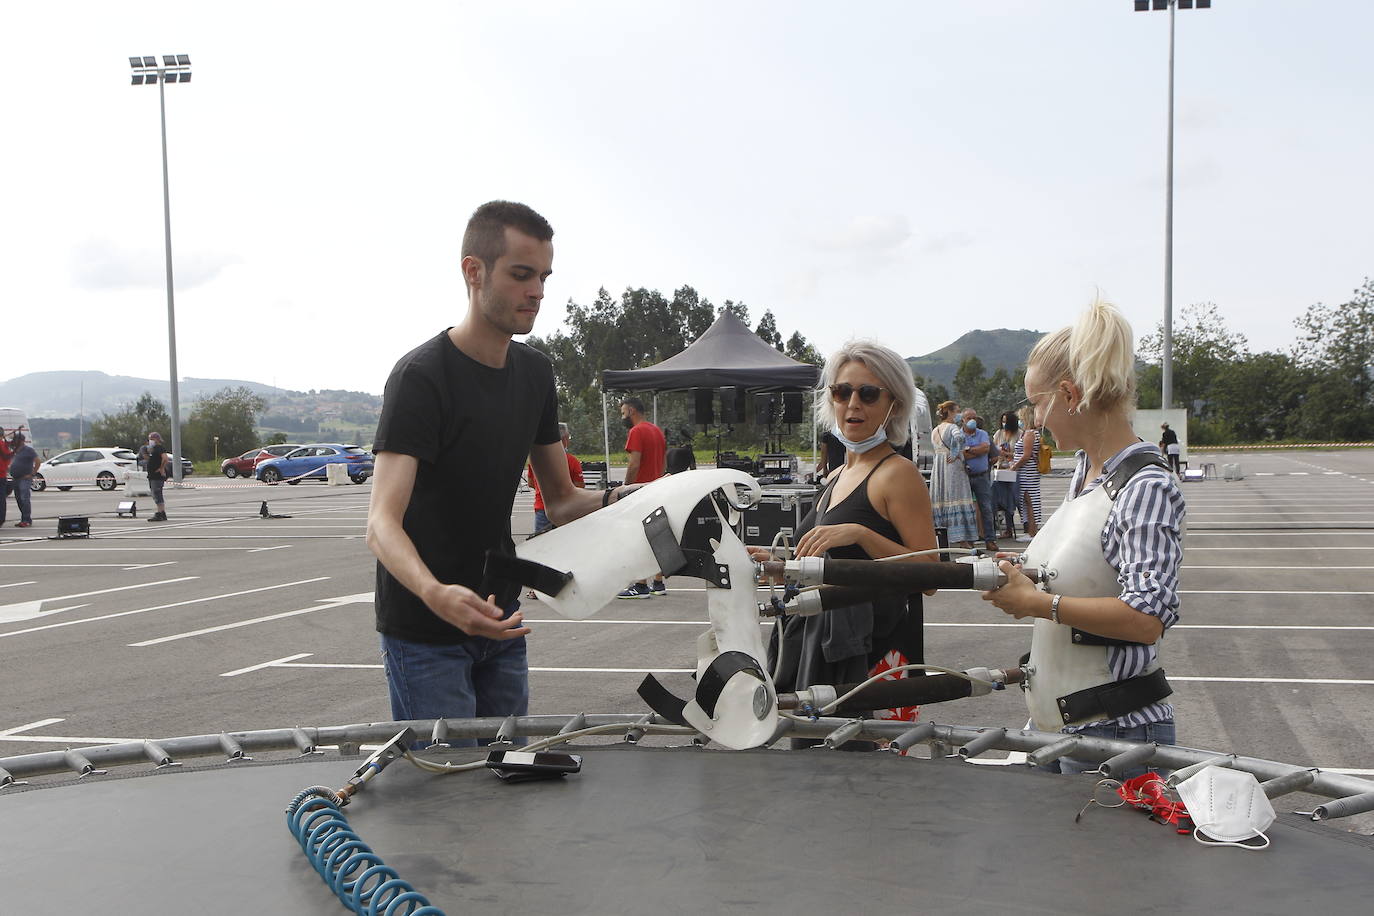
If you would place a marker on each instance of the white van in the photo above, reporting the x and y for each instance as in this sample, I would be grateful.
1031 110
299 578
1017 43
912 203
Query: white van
12 418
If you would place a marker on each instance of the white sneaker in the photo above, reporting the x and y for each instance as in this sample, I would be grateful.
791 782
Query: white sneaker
1023 538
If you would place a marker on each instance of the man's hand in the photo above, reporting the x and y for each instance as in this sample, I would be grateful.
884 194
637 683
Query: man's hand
823 537
461 607
1019 597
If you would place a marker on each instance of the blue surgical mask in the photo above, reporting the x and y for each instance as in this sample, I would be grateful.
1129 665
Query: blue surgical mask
971 425
858 448
868 444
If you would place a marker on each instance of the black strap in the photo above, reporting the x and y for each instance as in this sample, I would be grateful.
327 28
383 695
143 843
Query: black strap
1084 638
662 700
676 560
510 568
723 667
1111 701
1128 468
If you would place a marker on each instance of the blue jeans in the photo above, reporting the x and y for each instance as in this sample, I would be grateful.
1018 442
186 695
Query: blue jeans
23 497
1158 732
155 485
541 521
479 678
981 485
4 497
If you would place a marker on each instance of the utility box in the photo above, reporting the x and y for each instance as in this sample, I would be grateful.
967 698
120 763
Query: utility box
1232 472
779 509
136 484
335 474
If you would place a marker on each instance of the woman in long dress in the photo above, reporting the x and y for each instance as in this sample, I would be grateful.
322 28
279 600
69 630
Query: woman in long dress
951 498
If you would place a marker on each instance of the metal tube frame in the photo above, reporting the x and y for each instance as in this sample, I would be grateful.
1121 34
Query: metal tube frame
304 741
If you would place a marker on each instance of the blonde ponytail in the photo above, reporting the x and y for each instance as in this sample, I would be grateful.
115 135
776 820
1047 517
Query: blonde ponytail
1097 353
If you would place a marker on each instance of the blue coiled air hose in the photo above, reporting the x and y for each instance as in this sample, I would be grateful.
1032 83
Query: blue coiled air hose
357 875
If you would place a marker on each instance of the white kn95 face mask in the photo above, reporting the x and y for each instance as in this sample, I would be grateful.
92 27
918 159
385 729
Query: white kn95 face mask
1228 806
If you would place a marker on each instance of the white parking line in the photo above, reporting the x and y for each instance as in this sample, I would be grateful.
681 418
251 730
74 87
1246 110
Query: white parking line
17 584
326 605
32 725
81 565
272 664
1275 680
27 610
160 607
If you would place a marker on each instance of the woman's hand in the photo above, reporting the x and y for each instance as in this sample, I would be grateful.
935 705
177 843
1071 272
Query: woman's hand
823 537
1019 597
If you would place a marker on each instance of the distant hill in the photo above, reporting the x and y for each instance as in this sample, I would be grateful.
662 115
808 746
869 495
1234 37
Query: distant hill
998 349
67 393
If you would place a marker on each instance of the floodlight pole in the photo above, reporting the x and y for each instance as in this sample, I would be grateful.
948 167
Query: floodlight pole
171 303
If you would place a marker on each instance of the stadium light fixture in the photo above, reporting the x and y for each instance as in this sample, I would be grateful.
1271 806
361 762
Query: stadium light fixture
175 68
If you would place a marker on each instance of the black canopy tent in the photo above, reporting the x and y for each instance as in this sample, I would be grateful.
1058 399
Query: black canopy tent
727 354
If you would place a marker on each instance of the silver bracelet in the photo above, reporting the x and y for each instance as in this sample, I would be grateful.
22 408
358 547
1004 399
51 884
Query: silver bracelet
1054 608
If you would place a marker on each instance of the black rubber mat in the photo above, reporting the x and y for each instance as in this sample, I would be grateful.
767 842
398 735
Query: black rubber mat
645 830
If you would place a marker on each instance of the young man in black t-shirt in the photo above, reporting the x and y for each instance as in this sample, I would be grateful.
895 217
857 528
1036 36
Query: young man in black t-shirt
460 415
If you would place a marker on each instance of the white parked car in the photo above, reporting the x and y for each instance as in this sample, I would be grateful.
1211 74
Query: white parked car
81 467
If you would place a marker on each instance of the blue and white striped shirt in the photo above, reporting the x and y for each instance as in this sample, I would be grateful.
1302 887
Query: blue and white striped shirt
1143 541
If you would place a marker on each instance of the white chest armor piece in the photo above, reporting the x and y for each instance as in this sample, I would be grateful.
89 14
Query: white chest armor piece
1068 552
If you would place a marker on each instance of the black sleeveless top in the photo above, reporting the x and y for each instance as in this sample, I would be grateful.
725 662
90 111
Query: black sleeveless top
857 509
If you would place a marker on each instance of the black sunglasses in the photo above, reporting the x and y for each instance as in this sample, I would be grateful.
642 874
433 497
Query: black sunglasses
844 391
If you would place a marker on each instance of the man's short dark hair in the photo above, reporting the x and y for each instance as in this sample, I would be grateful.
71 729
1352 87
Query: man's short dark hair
635 404
485 236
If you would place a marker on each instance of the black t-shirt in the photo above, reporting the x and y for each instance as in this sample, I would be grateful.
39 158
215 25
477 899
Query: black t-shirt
1169 437
471 427
154 463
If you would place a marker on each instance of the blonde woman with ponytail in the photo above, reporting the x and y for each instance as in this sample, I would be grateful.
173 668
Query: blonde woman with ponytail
1114 547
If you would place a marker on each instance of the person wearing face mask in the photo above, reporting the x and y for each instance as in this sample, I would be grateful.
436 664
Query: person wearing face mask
977 446
875 505
1113 549
951 497
158 465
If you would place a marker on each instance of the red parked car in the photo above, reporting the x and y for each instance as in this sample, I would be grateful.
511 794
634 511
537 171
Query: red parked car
245 464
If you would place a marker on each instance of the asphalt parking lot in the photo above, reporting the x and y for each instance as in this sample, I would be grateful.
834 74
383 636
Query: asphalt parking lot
222 620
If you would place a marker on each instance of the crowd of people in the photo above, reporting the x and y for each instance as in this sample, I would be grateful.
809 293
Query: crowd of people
472 404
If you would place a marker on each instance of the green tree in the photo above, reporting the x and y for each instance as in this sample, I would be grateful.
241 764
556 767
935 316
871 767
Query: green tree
799 349
231 414
129 427
969 381
1337 347
1202 347
738 309
1261 397
1001 392
767 331
274 439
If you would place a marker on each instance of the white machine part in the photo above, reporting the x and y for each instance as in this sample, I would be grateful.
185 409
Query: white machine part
1068 553
608 549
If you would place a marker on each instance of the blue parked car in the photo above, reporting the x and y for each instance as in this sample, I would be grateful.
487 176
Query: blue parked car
309 462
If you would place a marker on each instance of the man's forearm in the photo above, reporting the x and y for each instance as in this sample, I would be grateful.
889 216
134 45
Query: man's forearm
632 472
390 544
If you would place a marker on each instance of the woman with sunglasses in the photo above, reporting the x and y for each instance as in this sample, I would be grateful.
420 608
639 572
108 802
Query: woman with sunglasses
1112 549
875 506
951 496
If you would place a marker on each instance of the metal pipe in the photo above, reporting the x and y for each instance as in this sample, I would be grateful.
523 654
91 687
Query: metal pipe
986 741
1167 367
1043 755
1113 767
1344 807
1291 782
171 304
913 737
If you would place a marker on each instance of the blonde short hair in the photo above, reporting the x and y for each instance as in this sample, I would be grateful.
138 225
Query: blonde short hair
893 373
1097 353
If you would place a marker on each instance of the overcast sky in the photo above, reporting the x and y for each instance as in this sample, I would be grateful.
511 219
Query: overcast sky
903 170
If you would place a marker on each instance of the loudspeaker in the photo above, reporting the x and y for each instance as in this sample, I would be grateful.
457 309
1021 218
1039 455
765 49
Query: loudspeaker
702 410
791 407
74 526
766 408
732 405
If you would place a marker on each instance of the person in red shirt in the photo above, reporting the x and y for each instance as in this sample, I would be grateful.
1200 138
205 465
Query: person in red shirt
541 519
647 448
6 453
